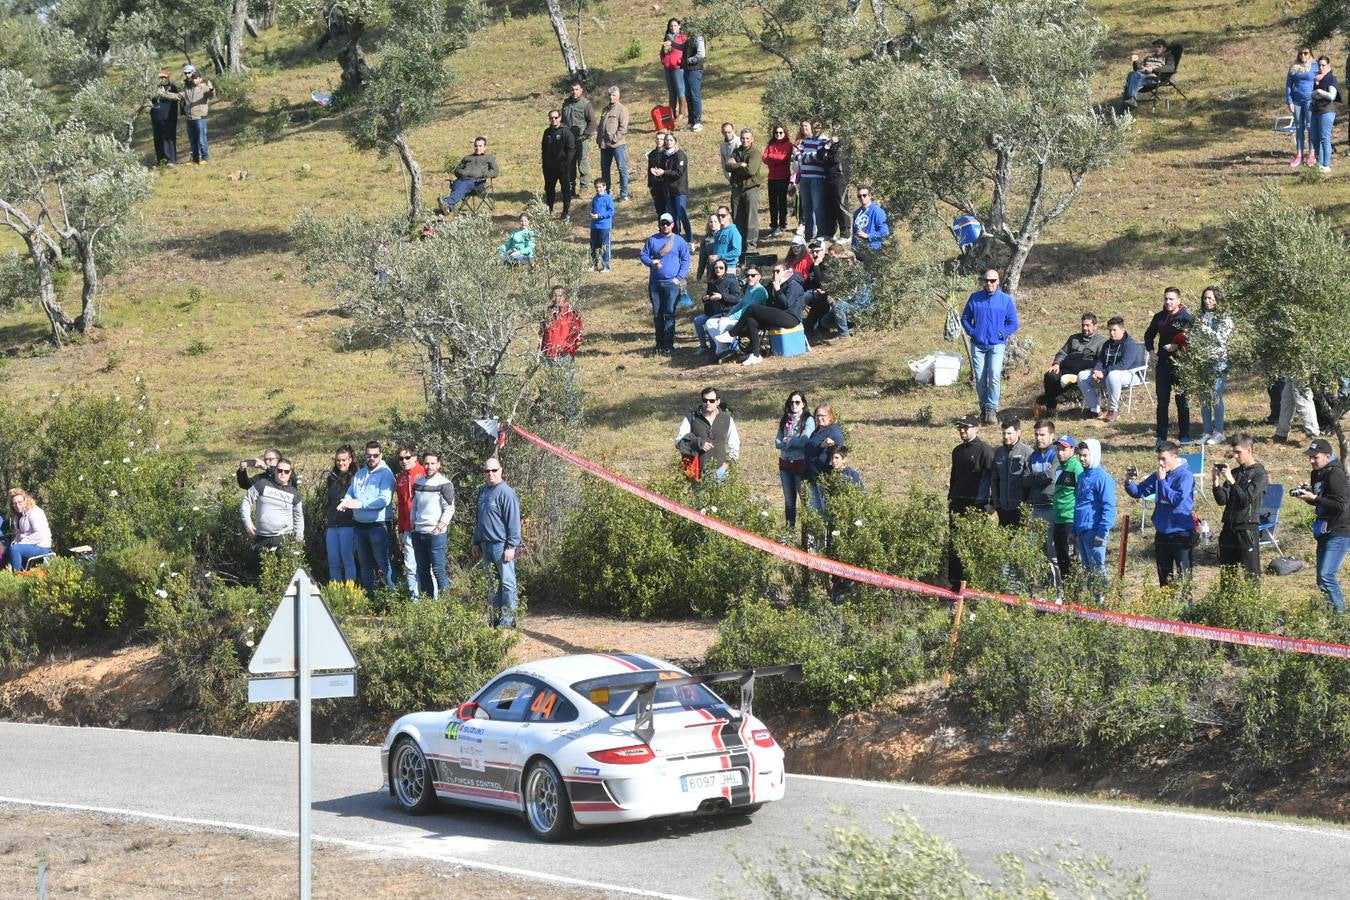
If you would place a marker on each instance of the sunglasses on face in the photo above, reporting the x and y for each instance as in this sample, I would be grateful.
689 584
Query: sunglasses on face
710 400
991 281
490 471
283 471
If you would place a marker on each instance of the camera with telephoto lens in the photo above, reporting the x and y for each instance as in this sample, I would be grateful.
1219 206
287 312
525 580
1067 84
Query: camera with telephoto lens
1219 467
1304 488
1131 473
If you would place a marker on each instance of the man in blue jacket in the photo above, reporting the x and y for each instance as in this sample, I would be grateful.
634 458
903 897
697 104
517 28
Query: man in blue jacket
990 318
1094 514
666 254
369 498
1173 512
1110 372
870 227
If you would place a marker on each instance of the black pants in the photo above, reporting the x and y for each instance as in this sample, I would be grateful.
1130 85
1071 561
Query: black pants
1053 389
1275 390
552 180
1173 552
838 217
1009 518
817 306
166 139
745 213
1241 547
1166 383
1061 536
956 573
778 204
758 317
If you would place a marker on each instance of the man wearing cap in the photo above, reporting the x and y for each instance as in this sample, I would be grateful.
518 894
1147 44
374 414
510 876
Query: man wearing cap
164 119
1329 494
1240 491
196 99
666 255
1065 475
968 487
989 319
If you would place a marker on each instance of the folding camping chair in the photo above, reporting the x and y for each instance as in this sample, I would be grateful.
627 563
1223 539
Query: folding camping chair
1269 526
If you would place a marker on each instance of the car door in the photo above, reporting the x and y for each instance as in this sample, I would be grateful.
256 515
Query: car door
488 747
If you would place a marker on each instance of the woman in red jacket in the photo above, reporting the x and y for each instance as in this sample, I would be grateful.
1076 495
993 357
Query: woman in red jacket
777 157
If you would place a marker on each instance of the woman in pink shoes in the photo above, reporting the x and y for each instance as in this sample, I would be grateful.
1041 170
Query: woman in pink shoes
1298 88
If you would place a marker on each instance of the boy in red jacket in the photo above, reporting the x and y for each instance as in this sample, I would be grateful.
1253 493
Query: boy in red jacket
561 328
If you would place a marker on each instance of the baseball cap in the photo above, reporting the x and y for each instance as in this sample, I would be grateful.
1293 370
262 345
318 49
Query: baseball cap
967 422
1066 440
799 240
189 69
666 217
1319 446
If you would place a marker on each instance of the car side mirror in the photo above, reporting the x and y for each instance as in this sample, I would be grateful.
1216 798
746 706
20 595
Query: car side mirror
468 710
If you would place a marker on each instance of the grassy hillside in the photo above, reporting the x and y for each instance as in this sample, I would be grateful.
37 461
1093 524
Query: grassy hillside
237 353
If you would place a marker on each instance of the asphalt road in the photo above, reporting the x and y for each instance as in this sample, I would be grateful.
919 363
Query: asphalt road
252 784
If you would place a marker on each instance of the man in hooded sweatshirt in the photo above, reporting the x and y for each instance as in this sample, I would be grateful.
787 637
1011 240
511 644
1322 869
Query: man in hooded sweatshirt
1173 513
272 508
1094 513
369 498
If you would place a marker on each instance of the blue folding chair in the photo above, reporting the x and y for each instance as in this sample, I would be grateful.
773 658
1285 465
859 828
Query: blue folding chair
1270 517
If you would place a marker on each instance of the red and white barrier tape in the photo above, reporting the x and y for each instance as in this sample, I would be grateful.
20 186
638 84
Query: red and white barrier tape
891 582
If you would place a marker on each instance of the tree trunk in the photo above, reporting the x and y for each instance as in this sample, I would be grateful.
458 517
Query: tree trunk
571 58
268 16
56 317
414 180
352 59
219 56
88 317
234 40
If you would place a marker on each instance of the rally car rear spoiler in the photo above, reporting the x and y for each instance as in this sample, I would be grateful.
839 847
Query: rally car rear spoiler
646 684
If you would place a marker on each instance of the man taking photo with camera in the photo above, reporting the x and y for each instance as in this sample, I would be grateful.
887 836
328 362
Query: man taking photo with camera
1329 493
1173 485
1240 491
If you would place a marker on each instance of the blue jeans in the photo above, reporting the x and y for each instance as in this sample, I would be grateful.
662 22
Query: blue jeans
1321 130
792 486
675 205
1134 82
839 311
693 91
372 554
1093 560
699 321
617 155
502 594
462 188
1303 134
664 295
196 132
430 552
812 191
19 554
987 363
1331 553
341 553
600 247
1211 409
405 541
674 85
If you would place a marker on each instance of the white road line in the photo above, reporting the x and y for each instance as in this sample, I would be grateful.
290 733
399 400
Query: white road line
934 790
364 846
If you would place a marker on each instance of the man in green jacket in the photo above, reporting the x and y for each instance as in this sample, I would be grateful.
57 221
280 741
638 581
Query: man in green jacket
745 168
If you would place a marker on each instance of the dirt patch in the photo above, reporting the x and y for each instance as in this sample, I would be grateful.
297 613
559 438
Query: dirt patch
132 687
107 857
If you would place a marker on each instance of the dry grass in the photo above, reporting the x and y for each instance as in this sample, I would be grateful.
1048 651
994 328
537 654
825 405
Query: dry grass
1146 223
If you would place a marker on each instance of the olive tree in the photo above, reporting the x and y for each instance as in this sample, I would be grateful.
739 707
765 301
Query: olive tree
456 316
1286 279
996 121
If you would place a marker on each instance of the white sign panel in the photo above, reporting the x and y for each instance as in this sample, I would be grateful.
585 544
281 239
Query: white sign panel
322 687
328 648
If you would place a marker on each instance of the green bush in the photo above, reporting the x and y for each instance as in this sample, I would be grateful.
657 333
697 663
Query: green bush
623 556
1002 560
61 602
431 654
18 645
850 657
1235 601
346 599
1059 682
908 540
127 577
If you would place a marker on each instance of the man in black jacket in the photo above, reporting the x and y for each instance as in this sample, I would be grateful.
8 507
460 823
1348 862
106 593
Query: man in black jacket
1329 494
1240 491
1168 328
968 487
557 153
164 119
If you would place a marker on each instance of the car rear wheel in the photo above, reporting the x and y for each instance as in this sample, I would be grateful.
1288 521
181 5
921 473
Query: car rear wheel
410 777
547 809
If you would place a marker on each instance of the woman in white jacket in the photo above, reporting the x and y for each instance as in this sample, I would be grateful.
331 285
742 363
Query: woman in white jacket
1219 325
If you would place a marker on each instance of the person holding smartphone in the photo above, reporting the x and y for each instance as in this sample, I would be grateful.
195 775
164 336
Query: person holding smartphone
1329 493
1240 490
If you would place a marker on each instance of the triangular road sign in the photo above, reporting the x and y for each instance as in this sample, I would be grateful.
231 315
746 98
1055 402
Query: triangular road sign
328 648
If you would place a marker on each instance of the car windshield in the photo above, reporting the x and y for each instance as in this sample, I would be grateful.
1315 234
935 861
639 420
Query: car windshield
619 701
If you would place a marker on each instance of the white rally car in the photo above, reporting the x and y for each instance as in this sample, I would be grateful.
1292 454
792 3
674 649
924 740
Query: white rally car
590 739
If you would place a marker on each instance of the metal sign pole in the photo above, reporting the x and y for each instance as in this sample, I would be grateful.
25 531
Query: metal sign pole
302 591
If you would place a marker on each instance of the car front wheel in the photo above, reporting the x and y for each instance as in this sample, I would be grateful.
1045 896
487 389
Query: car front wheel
547 809
410 777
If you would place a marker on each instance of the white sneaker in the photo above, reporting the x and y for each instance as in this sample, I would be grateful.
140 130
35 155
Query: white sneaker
1325 170
752 360
1215 438
1205 438
697 126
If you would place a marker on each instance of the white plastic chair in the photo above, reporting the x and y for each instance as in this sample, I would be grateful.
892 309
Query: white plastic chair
1138 378
1284 125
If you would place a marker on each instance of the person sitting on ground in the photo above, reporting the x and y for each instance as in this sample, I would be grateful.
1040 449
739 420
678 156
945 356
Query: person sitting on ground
32 532
1159 64
799 259
272 509
720 330
1078 353
721 296
727 243
844 287
840 468
786 306
472 174
708 434
518 250
1111 372
268 463
560 332
870 227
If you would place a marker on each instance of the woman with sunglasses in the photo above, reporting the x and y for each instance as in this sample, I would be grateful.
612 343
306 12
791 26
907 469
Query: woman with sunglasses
338 536
32 533
777 157
794 434
1326 93
819 447
1298 88
720 295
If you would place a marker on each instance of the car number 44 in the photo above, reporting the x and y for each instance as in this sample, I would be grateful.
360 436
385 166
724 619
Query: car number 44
708 780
